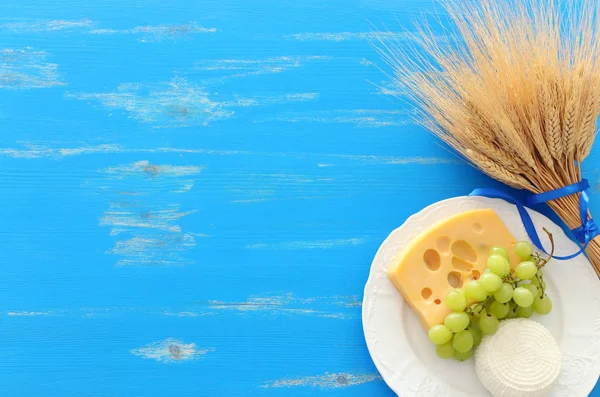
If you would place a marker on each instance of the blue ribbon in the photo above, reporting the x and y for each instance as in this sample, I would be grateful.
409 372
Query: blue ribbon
584 233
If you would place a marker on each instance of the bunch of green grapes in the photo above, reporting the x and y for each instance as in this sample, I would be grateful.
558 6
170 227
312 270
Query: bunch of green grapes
498 294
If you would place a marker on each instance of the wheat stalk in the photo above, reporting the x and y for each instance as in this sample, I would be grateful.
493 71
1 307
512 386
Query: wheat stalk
514 87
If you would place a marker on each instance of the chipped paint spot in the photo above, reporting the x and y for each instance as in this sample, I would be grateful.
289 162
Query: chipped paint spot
145 219
162 251
170 351
336 307
27 69
177 103
120 218
302 245
253 67
185 314
151 33
187 186
366 118
128 170
36 151
180 103
344 36
327 381
45 26
28 314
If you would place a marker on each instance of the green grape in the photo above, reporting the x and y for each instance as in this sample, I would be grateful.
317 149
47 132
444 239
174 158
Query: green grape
542 305
523 297
463 341
476 333
499 251
456 300
524 312
498 265
504 294
477 309
512 311
532 288
457 322
526 270
490 282
488 324
445 351
462 356
475 291
523 249
500 310
439 334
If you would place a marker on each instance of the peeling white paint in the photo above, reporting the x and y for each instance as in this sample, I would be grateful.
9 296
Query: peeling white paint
187 186
389 88
25 26
177 103
327 381
394 160
37 151
160 251
143 214
335 307
27 69
366 62
185 314
28 314
308 245
144 167
65 152
161 219
180 103
170 351
251 67
366 118
343 36
157 32
34 152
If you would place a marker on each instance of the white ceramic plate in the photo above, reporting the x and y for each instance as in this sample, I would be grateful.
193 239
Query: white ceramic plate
407 360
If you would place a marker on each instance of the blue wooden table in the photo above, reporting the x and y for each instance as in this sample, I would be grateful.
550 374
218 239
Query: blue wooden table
193 192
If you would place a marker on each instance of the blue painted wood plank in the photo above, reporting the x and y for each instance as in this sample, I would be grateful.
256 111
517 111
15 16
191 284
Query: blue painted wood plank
193 193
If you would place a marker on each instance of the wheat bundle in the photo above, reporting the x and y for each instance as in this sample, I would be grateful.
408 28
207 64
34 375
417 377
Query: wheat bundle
514 87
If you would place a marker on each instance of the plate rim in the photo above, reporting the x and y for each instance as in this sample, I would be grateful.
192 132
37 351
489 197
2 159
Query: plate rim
370 281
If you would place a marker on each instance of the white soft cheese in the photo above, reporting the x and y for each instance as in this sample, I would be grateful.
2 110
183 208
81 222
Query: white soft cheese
521 359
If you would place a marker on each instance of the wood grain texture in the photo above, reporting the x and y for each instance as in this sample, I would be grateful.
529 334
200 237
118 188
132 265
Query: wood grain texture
193 192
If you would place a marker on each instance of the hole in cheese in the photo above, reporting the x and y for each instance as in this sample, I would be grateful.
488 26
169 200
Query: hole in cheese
461 264
455 279
443 244
432 259
477 227
426 293
437 301
476 274
464 250
410 272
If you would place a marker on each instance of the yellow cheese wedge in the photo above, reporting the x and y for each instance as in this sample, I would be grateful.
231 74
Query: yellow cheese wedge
446 256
